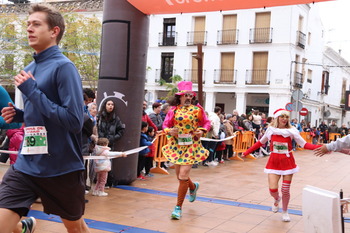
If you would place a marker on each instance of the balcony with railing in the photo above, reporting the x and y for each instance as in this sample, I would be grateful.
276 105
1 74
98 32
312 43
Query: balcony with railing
197 37
192 75
164 75
258 77
301 39
298 80
167 40
225 76
260 35
227 37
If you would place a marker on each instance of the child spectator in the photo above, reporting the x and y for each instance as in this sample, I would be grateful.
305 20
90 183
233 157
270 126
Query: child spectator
15 137
103 166
142 154
150 155
221 145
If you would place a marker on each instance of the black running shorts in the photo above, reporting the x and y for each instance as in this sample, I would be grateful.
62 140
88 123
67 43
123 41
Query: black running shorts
61 195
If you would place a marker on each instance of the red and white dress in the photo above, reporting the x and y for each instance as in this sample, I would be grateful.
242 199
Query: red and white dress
281 160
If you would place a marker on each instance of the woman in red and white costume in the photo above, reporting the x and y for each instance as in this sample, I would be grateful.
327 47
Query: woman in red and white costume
281 161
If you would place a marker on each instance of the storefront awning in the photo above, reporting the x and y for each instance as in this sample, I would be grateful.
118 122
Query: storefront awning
187 6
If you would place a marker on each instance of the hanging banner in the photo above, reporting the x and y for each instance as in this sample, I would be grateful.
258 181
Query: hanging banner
186 6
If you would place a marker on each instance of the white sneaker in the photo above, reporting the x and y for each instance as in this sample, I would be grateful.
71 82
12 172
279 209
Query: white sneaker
95 193
285 217
102 194
275 205
213 163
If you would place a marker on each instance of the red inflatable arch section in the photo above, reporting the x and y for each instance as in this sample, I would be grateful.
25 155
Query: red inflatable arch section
186 6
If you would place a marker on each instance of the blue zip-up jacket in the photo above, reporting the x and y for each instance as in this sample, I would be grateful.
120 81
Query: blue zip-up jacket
144 142
54 100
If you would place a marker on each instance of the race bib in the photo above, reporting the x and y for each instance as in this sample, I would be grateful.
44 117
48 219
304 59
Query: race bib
35 140
185 139
280 147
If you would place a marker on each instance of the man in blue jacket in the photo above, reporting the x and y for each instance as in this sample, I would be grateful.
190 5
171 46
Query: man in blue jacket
50 163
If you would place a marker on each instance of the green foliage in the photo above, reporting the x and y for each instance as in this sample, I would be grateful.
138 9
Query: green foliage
171 87
13 46
81 43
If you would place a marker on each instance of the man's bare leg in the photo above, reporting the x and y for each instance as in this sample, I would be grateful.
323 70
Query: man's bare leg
9 221
78 226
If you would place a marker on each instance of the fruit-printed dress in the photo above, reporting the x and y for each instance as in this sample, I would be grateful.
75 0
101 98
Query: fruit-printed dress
185 149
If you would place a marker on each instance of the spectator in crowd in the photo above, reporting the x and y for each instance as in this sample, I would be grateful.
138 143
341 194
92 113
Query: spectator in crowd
221 145
256 122
155 116
333 128
4 100
185 124
235 123
53 105
92 107
263 118
213 134
15 137
228 152
145 117
4 142
164 110
103 166
343 130
235 113
150 156
281 162
249 122
323 132
111 127
144 141
90 95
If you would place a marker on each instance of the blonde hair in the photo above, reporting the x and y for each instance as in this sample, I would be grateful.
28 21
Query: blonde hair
274 123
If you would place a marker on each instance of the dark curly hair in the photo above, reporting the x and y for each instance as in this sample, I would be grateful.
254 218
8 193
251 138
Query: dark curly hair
174 101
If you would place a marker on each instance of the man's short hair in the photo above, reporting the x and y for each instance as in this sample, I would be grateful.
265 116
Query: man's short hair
54 17
228 116
156 105
217 109
90 93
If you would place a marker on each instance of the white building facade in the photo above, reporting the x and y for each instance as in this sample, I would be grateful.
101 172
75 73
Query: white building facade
252 59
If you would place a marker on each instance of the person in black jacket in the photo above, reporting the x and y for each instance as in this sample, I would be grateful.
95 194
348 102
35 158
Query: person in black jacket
109 124
111 127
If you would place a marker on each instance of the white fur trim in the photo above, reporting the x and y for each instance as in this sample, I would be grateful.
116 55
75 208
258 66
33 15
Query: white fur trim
291 132
279 113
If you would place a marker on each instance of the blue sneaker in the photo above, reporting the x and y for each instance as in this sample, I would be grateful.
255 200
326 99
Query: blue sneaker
193 193
176 214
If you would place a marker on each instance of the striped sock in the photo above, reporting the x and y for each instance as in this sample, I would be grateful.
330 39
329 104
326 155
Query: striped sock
285 194
274 194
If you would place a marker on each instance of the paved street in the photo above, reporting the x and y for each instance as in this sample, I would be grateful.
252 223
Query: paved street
233 197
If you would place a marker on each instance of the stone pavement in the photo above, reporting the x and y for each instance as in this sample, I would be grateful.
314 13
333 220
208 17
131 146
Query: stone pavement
233 197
